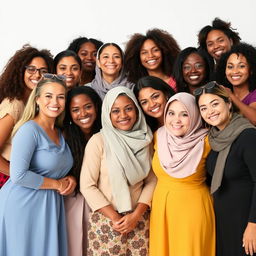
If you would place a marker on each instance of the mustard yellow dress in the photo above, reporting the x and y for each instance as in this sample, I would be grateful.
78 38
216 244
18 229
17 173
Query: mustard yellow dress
182 221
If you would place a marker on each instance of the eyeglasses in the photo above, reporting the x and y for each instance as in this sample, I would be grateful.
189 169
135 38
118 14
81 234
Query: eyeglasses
54 76
197 66
206 88
32 70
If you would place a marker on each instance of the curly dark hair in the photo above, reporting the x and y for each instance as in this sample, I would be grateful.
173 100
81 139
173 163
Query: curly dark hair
157 84
73 134
178 70
166 43
76 43
12 83
218 24
246 50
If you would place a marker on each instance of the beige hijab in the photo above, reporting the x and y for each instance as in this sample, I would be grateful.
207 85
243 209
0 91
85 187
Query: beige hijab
128 153
180 156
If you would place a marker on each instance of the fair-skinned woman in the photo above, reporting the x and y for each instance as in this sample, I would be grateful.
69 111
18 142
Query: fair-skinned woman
109 70
32 197
153 94
231 163
152 54
236 71
67 63
116 179
182 217
21 75
82 120
86 49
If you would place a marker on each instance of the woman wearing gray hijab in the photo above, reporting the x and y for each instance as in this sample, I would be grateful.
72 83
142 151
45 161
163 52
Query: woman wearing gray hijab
116 178
109 70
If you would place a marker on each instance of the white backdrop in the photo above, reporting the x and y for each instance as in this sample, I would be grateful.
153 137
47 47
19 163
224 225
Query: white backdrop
53 24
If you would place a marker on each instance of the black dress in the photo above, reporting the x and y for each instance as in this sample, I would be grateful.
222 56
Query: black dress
235 200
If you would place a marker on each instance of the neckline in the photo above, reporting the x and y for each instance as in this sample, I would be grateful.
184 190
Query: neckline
47 136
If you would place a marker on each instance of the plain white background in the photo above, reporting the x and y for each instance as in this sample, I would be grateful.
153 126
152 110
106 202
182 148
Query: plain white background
53 24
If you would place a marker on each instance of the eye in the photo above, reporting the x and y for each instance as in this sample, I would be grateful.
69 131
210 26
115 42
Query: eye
75 68
155 96
186 67
184 114
242 66
75 110
170 113
48 96
62 97
43 70
129 109
88 107
209 44
143 102
114 111
229 66
202 109
143 52
94 54
215 104
199 65
62 68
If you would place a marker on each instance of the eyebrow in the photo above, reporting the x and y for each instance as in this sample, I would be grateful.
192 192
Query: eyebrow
210 102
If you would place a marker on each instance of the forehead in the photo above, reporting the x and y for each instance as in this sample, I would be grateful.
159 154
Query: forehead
177 106
147 92
53 87
88 46
207 98
38 61
214 34
81 99
122 100
149 43
194 57
110 49
237 57
68 60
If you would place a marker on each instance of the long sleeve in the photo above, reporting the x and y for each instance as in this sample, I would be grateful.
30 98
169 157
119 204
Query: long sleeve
248 142
148 189
90 173
23 146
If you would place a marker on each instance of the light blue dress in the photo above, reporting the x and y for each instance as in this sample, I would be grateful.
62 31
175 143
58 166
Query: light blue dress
32 220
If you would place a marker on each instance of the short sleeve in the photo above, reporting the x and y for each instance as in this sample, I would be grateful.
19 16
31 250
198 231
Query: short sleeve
14 108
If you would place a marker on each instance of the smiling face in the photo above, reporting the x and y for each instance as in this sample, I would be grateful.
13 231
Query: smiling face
217 43
214 110
87 54
193 69
237 70
110 62
31 80
123 113
150 55
69 67
83 112
152 102
51 101
177 120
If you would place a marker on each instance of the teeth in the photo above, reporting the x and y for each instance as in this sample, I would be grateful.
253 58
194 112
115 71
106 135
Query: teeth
34 81
235 77
85 120
218 53
151 61
68 79
194 77
213 117
124 121
155 109
53 109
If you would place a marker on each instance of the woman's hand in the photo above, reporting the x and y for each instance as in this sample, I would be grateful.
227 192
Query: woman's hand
69 184
249 238
127 223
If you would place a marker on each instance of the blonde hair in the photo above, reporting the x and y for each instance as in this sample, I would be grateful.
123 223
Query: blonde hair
31 111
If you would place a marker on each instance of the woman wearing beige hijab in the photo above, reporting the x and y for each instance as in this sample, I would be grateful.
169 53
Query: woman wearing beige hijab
182 218
116 179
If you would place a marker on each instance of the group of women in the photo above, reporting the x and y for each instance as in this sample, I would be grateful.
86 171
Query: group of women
149 151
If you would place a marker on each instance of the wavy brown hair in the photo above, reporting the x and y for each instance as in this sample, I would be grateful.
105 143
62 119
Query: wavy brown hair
12 83
166 43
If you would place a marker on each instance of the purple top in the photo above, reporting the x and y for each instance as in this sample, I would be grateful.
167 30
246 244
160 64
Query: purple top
250 98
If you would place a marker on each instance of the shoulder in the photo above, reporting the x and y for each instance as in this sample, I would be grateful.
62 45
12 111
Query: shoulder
247 135
88 84
30 128
95 141
14 108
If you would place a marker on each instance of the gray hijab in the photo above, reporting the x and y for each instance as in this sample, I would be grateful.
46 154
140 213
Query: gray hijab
221 141
101 86
128 153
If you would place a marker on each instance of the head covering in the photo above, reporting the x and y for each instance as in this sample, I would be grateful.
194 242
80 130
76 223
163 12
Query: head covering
101 86
221 141
128 153
180 156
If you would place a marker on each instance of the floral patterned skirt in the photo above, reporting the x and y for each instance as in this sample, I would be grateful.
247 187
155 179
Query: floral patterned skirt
105 241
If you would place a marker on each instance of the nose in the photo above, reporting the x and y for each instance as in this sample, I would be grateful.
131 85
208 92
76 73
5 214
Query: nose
82 112
123 113
215 45
151 103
